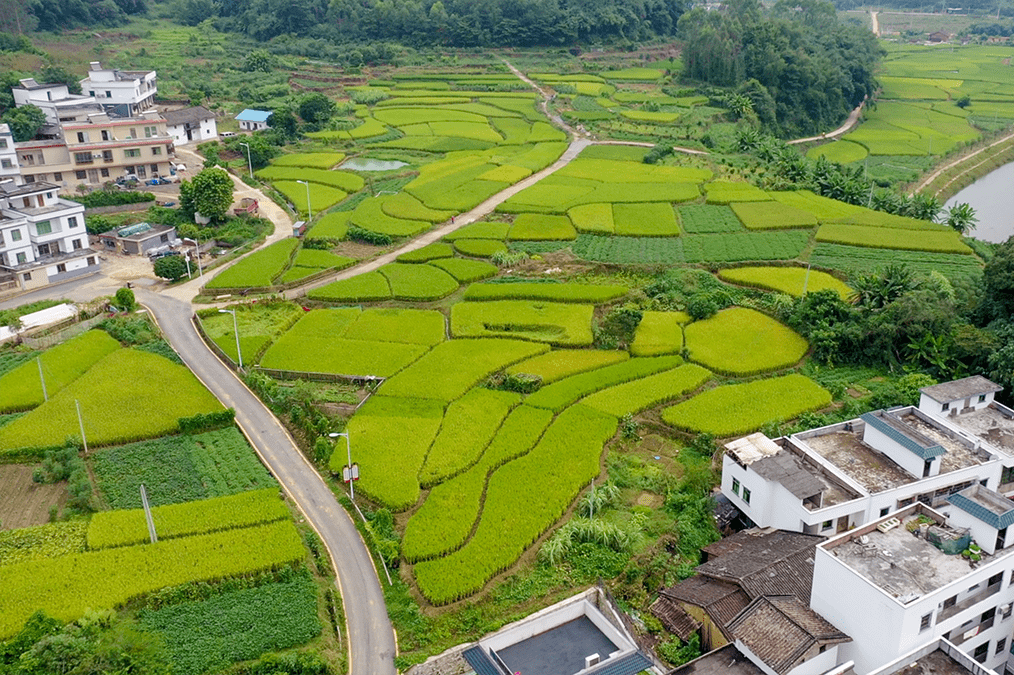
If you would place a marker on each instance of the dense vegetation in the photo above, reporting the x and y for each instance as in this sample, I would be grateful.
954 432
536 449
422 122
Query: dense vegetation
796 67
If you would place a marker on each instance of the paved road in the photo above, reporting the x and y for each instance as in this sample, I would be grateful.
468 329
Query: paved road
371 638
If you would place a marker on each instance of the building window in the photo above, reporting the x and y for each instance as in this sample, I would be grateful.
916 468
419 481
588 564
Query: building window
946 406
827 525
107 155
133 132
72 221
105 135
58 176
77 244
981 652
884 511
1005 611
735 485
154 169
109 94
164 238
30 179
45 227
91 92
951 601
61 268
15 235
6 164
82 158
80 175
150 131
157 150
91 260
104 173
28 159
995 579
1001 644
132 152
925 623
982 398
21 260
82 137
746 495
3 143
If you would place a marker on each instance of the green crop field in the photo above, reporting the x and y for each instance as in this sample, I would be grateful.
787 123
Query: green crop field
410 326
21 388
790 280
541 227
345 181
482 230
119 382
543 291
311 261
178 469
843 152
370 215
67 586
330 226
648 392
883 237
741 341
109 529
561 363
363 288
478 248
468 426
392 437
772 215
557 323
454 367
741 408
659 333
258 324
418 282
856 260
322 197
42 541
427 253
444 521
703 219
823 208
742 246
259 269
571 445
593 218
404 206
566 391
210 634
466 271
725 192
645 220
313 160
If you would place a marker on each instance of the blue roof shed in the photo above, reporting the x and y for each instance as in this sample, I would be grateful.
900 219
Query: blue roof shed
250 115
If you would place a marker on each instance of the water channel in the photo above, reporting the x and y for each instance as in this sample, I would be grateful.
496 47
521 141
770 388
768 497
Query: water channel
364 164
992 197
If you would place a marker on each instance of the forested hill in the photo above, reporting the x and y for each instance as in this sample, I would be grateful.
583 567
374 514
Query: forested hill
455 23
801 68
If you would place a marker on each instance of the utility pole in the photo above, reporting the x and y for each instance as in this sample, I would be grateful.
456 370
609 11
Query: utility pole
147 515
45 396
80 422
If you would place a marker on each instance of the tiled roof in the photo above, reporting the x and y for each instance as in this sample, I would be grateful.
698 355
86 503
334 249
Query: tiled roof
673 617
780 630
188 115
990 507
787 469
721 600
946 392
792 575
750 552
885 424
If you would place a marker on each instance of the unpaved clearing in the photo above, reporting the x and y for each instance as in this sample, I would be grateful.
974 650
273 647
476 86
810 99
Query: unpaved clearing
22 502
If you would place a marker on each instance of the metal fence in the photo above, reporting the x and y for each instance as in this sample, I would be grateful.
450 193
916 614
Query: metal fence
53 337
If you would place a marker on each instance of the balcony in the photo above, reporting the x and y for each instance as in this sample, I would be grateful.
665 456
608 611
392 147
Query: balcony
959 635
973 599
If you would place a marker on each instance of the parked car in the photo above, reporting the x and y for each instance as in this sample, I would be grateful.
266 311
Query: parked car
154 254
157 181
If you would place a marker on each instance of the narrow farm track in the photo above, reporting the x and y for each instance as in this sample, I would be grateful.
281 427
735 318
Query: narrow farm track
960 160
371 641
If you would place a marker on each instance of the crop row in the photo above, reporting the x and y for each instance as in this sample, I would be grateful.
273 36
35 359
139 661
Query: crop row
119 404
67 586
179 468
259 269
21 388
523 499
42 541
468 426
648 392
882 237
345 181
211 634
109 529
741 408
561 363
442 524
563 393
792 281
553 322
860 260
708 219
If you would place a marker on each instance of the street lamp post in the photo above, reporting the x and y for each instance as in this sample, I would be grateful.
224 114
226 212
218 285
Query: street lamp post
348 449
249 162
197 254
309 211
235 329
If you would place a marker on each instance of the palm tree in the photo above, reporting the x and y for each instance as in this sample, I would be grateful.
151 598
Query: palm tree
962 218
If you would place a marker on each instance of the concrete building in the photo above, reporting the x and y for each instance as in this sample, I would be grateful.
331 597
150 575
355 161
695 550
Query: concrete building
253 120
939 657
8 155
139 238
126 93
55 100
42 237
191 125
898 582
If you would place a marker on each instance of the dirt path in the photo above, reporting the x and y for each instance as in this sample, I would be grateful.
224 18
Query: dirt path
960 160
544 103
853 118
875 23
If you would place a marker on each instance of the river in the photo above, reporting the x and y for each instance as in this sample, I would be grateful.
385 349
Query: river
992 197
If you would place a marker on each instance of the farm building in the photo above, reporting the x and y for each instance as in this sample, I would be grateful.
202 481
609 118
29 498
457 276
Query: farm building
190 125
253 120
138 238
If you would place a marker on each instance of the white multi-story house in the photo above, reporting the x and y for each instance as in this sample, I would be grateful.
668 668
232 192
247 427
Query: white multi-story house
827 480
191 125
126 93
8 155
54 99
900 582
42 237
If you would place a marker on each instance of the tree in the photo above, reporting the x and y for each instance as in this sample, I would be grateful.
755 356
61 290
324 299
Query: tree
171 267
125 299
962 218
316 108
284 122
964 101
209 193
998 279
259 60
58 75
25 122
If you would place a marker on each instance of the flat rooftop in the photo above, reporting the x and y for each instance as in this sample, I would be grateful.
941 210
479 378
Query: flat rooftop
959 455
992 424
846 450
558 651
937 663
898 562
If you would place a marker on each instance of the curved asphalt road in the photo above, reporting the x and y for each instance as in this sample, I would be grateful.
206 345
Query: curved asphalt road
371 638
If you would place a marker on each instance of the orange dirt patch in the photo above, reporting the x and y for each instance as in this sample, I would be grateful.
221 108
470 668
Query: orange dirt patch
22 502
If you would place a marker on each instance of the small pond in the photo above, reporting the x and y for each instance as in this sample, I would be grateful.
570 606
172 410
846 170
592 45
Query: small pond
993 201
364 164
